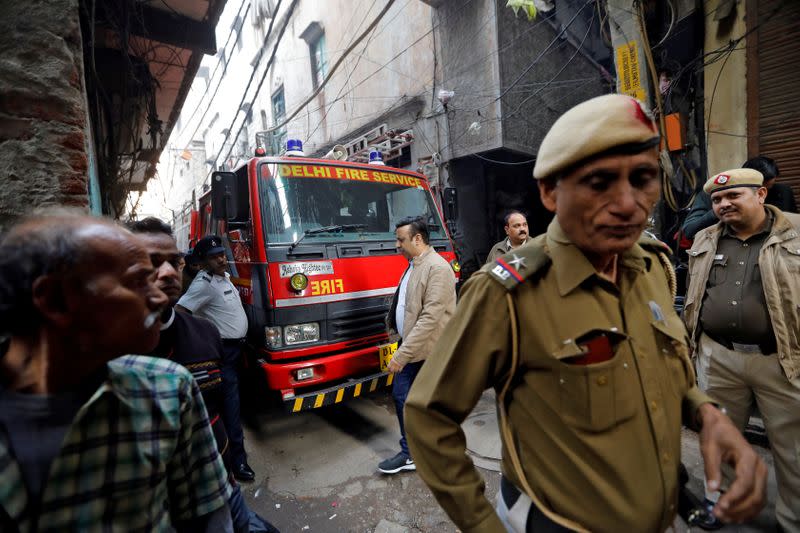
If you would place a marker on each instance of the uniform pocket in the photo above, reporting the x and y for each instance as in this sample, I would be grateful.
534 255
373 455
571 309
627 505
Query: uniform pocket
790 256
229 295
594 397
671 336
672 341
719 271
597 397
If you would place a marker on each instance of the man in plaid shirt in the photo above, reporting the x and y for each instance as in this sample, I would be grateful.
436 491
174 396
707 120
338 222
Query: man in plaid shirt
90 440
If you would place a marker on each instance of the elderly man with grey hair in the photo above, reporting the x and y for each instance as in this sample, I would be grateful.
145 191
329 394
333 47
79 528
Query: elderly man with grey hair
91 438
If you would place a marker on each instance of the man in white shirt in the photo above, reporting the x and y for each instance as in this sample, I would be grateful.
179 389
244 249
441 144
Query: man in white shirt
212 296
424 302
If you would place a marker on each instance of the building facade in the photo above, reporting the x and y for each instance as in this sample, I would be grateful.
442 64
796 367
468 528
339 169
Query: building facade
89 92
457 90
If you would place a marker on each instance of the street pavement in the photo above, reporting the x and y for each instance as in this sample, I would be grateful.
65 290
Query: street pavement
317 470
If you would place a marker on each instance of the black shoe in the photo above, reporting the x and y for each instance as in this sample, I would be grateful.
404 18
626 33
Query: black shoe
703 518
397 464
243 472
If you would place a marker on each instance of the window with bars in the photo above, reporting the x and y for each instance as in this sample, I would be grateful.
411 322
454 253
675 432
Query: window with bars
278 114
314 36
319 60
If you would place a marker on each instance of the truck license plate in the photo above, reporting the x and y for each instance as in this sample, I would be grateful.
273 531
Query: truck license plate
385 353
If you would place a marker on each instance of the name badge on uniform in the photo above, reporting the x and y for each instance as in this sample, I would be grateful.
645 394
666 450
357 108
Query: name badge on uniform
719 257
229 295
658 314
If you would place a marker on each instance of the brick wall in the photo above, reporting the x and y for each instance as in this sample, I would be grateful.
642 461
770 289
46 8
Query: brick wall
43 114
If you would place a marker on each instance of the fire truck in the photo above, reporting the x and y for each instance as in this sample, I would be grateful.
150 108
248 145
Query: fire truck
311 248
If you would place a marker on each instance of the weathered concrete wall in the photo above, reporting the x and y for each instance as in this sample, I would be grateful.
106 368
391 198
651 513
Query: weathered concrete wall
470 68
532 105
726 107
42 112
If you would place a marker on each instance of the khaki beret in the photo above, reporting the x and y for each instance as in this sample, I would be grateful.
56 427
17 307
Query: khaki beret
592 128
738 177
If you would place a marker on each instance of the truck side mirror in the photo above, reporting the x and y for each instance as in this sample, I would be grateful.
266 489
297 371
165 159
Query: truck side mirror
450 204
224 195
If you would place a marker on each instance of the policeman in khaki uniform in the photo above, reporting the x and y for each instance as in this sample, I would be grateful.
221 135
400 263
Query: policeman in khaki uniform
516 228
577 334
742 313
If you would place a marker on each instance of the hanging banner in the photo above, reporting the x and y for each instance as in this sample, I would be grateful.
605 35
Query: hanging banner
629 73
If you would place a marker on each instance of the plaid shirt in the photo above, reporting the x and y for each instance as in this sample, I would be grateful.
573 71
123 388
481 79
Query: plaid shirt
139 456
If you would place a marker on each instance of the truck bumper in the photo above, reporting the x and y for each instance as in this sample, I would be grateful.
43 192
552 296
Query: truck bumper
339 393
326 369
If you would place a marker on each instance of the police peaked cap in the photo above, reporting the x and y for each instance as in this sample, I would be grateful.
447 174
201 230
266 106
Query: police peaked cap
208 245
612 123
730 179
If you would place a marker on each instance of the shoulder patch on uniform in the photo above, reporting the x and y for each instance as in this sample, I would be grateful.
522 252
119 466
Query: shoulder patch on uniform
516 266
205 277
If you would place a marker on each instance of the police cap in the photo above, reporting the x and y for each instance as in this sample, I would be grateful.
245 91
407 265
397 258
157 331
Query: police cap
208 245
191 257
612 123
738 177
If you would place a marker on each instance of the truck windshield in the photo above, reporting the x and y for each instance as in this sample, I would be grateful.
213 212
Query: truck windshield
368 206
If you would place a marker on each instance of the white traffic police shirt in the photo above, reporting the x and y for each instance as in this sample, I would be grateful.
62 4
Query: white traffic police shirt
216 299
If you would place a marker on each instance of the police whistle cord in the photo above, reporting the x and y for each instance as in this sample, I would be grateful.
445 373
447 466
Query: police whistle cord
508 437
672 278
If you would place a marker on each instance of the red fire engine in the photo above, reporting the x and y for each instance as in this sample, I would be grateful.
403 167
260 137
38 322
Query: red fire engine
311 247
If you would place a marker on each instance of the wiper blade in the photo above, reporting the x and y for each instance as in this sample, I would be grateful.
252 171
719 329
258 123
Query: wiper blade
335 227
326 229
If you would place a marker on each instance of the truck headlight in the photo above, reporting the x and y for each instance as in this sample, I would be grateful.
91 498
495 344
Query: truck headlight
300 333
273 337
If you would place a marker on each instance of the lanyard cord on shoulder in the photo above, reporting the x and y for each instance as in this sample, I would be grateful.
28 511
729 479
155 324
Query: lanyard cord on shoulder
508 437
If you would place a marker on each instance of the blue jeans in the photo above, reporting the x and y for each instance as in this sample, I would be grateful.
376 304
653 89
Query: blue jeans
231 408
240 514
402 384
244 520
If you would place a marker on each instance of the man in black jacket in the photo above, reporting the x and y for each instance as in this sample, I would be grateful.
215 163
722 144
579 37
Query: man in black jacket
196 344
778 194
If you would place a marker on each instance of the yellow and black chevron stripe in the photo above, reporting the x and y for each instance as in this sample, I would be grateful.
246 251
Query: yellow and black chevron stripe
338 394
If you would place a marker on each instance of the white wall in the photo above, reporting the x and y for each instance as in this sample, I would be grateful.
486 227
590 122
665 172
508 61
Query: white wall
361 90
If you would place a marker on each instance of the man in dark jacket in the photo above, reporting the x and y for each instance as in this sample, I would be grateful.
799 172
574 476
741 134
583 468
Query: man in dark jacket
778 194
196 344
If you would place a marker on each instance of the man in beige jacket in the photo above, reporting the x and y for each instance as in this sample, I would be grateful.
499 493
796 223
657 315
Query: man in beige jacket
421 307
742 313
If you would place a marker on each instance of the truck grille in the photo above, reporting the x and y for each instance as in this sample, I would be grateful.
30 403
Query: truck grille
355 323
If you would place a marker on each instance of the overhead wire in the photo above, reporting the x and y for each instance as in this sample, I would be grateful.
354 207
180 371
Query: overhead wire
538 58
435 26
287 19
507 45
523 117
714 93
350 75
557 74
666 188
222 76
404 50
330 74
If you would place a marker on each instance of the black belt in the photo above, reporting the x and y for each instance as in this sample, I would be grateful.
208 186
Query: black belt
537 521
766 348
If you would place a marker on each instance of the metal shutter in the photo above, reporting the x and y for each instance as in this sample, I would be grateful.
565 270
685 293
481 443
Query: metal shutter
774 85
